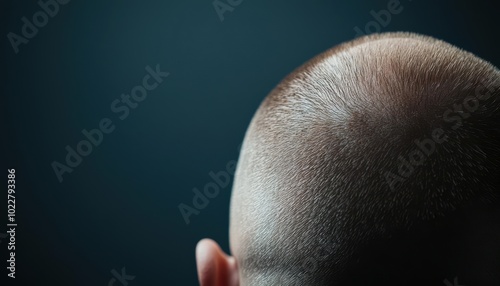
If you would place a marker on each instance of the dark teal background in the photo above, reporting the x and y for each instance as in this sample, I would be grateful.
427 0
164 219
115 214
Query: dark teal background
119 207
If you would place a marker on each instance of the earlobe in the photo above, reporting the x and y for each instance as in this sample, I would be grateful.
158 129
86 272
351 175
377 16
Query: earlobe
215 268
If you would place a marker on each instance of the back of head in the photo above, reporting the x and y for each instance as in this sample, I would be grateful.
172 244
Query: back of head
375 163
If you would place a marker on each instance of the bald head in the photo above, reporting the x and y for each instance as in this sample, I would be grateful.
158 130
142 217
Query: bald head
380 158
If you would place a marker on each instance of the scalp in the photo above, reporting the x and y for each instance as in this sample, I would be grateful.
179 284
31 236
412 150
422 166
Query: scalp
309 173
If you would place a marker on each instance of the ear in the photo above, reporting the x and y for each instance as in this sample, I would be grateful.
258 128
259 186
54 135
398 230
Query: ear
215 268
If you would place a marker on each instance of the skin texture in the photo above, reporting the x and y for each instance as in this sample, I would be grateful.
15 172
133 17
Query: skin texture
312 203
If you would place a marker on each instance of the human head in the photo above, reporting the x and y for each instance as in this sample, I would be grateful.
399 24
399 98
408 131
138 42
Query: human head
354 171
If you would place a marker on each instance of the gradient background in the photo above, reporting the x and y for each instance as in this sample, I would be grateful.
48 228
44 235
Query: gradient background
119 207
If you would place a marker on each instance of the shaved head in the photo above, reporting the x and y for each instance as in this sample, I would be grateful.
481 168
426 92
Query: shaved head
375 163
